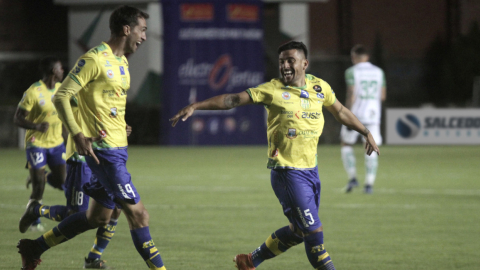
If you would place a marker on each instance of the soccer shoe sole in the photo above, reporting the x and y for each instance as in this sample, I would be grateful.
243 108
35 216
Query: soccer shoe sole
243 262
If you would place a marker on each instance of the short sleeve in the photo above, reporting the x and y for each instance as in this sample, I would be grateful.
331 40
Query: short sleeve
349 79
28 101
262 93
85 70
329 95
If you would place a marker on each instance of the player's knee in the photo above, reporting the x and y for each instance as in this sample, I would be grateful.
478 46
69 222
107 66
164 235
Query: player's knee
319 229
142 216
98 220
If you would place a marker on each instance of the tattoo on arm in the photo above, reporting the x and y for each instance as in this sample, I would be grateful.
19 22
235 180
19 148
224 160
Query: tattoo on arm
232 101
365 132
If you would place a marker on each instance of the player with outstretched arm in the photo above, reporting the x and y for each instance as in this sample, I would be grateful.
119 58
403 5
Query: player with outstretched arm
292 150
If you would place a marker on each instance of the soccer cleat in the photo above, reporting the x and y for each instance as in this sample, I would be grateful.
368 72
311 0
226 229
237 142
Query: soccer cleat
95 264
368 189
351 184
244 262
30 259
28 216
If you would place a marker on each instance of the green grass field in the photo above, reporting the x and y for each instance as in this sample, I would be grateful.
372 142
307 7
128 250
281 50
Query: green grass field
208 204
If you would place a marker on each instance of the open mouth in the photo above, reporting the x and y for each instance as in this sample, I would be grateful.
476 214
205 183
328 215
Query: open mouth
288 75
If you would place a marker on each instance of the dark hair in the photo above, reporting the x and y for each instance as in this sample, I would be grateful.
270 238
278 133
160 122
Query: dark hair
46 65
359 49
125 15
294 45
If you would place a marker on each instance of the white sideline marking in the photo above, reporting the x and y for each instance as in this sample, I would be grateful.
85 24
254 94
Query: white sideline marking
455 192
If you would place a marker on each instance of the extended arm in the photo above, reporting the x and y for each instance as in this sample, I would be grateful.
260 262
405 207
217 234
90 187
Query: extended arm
221 102
347 118
384 93
20 120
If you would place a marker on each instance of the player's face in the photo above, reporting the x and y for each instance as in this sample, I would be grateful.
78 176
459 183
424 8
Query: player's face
58 71
138 34
292 65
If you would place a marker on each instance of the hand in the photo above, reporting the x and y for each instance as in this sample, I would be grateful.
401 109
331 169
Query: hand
129 130
84 145
42 127
370 145
184 113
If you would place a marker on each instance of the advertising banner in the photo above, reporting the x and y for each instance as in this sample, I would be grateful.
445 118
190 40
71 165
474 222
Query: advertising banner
433 126
211 48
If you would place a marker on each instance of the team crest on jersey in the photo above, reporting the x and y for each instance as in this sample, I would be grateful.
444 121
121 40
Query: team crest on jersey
305 103
103 133
110 73
105 54
304 94
113 112
275 153
41 102
321 95
286 95
39 88
292 133
317 88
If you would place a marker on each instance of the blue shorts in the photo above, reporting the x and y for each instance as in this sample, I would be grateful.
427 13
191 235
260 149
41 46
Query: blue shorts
78 174
111 182
299 195
38 158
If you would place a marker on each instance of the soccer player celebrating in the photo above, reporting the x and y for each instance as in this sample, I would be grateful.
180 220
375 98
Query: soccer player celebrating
292 151
43 139
366 90
101 78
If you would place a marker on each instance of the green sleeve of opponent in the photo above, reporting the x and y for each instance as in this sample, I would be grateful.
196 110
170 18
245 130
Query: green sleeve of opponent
61 101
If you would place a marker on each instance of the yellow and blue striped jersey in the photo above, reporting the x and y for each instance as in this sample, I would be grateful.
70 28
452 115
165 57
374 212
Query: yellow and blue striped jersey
295 120
37 100
104 79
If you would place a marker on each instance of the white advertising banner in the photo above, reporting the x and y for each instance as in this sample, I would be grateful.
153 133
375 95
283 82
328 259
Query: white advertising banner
433 126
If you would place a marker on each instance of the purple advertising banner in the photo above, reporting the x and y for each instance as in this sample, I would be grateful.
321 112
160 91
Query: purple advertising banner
212 48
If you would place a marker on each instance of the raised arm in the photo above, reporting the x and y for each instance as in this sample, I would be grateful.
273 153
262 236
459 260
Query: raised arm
221 102
347 118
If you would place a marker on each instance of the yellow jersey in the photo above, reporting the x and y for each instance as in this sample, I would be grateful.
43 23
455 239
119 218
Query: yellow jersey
295 120
105 80
37 100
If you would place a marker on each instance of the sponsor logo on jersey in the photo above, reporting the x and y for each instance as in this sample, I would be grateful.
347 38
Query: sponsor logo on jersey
321 95
122 71
40 96
292 133
275 153
317 88
103 133
110 73
42 102
113 112
108 64
305 103
81 63
286 95
311 115
304 94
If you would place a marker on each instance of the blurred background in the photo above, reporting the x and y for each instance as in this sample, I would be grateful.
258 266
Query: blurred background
429 50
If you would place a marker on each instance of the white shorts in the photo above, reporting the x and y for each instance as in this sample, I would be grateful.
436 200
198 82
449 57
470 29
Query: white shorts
351 136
